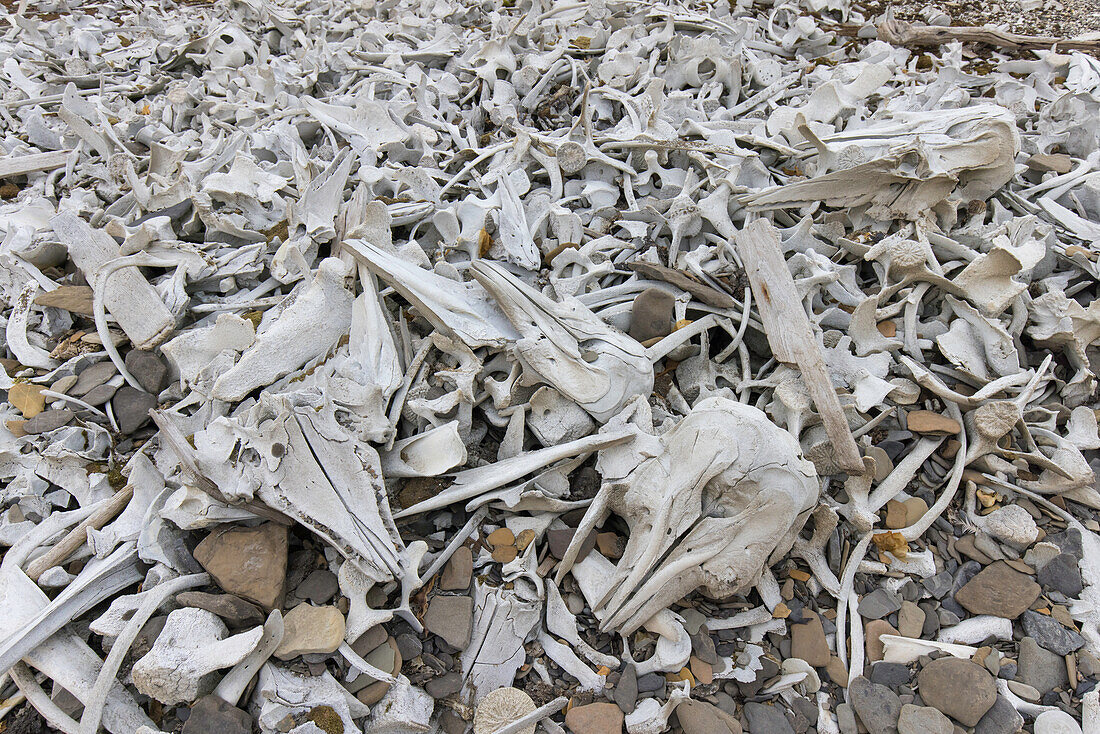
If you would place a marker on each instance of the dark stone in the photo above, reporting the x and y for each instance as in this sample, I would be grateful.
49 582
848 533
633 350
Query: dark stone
938 585
320 586
1050 635
409 646
148 369
131 408
877 706
48 420
878 604
764 719
1062 574
443 686
703 647
651 315
625 693
560 538
212 714
100 394
93 376
650 682
891 675
234 610
1001 719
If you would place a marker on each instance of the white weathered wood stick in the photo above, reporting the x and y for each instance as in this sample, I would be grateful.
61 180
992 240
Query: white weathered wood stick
791 335
132 301
534 717
19 165
78 536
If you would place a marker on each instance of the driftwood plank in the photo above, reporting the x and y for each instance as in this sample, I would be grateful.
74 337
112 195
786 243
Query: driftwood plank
900 33
35 162
790 333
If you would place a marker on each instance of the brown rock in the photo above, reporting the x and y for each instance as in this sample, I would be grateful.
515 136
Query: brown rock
458 571
1056 162
651 316
895 515
959 688
234 610
248 562
915 508
926 421
373 693
873 630
451 618
838 671
999 590
910 620
309 629
610 545
27 398
524 539
595 718
703 672
73 298
501 537
505 554
808 641
699 717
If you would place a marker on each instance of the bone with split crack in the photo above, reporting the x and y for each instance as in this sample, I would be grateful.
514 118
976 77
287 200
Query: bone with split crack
568 346
904 167
458 309
475 482
298 460
727 490
308 328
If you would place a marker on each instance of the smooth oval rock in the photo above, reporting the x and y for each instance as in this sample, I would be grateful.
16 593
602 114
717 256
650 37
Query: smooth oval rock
963 690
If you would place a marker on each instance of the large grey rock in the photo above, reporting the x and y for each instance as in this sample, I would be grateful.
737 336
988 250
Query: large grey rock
876 706
212 715
1003 718
1039 668
1062 574
1050 634
963 690
878 604
923 720
764 719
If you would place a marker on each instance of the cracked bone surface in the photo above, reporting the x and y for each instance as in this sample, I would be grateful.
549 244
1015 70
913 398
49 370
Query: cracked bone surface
725 491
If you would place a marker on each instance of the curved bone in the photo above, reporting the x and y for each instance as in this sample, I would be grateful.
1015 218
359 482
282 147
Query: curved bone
570 347
707 511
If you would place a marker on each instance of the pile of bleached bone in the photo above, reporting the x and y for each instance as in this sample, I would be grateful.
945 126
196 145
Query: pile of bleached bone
408 367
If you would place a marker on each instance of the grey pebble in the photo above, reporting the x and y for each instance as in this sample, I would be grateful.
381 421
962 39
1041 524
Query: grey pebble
878 604
1062 574
764 719
131 408
1050 634
48 420
876 705
1001 719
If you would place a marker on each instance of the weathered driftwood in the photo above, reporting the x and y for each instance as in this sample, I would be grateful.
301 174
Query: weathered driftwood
133 303
33 163
78 536
900 33
790 334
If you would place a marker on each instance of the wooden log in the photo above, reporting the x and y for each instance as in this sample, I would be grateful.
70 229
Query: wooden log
20 165
791 334
78 536
900 33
